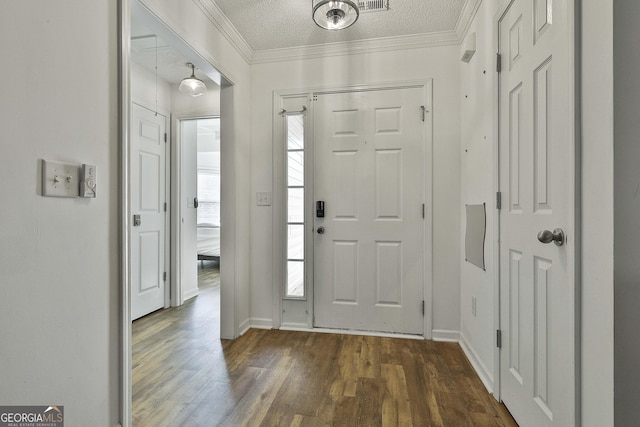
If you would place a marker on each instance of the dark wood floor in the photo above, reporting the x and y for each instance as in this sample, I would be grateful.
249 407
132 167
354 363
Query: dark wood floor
184 375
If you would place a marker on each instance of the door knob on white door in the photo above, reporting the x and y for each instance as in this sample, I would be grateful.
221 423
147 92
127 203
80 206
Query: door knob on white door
556 236
320 230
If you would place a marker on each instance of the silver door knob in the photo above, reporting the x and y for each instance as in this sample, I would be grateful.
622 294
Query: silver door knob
320 230
556 236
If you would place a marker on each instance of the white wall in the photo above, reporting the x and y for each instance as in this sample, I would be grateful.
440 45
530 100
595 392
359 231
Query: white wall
626 67
478 165
59 308
144 90
439 63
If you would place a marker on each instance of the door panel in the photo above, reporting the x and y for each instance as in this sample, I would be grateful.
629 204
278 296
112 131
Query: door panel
149 249
369 170
345 272
148 163
537 178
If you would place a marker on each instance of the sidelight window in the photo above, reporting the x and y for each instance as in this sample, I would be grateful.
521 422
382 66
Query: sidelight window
295 207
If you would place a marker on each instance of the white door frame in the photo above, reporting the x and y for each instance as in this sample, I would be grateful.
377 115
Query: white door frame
176 191
574 170
496 187
278 199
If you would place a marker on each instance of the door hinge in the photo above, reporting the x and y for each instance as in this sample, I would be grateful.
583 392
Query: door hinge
164 276
498 200
165 206
498 62
498 338
423 208
424 112
165 137
423 307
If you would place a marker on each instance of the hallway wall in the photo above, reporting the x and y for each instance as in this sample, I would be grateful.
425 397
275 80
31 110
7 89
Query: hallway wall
477 81
59 308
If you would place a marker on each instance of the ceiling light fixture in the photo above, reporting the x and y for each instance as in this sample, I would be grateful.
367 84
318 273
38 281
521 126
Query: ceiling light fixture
192 85
335 14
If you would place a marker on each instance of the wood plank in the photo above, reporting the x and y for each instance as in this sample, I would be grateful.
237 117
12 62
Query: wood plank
184 374
396 409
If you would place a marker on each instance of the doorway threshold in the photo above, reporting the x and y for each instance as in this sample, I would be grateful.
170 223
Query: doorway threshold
351 332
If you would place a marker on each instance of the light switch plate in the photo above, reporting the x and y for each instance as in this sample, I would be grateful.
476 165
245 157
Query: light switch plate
60 179
263 199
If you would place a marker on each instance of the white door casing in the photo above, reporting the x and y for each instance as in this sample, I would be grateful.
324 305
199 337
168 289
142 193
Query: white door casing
369 171
537 181
148 156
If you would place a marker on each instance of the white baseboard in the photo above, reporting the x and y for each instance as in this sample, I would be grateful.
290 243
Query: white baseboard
295 327
244 327
476 362
258 323
302 327
445 335
190 294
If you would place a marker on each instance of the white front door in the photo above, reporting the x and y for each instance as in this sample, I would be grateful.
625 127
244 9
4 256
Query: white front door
148 196
369 171
537 179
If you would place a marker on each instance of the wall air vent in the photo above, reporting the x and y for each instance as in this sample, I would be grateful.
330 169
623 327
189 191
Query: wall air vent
373 5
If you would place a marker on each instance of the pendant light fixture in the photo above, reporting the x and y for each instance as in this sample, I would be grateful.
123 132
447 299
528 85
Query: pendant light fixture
335 14
192 85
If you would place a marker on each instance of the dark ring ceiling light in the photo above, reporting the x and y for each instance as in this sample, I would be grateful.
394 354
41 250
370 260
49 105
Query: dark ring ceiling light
335 14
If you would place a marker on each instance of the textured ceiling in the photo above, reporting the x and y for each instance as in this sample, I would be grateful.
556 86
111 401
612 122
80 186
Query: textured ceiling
271 24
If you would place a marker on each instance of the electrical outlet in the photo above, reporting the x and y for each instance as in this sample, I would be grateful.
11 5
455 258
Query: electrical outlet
474 305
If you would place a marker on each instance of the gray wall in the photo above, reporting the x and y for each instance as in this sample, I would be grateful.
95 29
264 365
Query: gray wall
626 60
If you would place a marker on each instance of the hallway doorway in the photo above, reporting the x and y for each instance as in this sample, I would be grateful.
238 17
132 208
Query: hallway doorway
172 353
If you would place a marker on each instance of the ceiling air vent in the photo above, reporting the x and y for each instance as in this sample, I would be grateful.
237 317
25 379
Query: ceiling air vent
373 5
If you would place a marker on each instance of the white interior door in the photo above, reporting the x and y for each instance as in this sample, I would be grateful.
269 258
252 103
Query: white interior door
537 178
148 196
369 171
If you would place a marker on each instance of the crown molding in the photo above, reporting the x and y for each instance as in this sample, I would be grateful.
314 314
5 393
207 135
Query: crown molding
228 30
465 19
415 41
